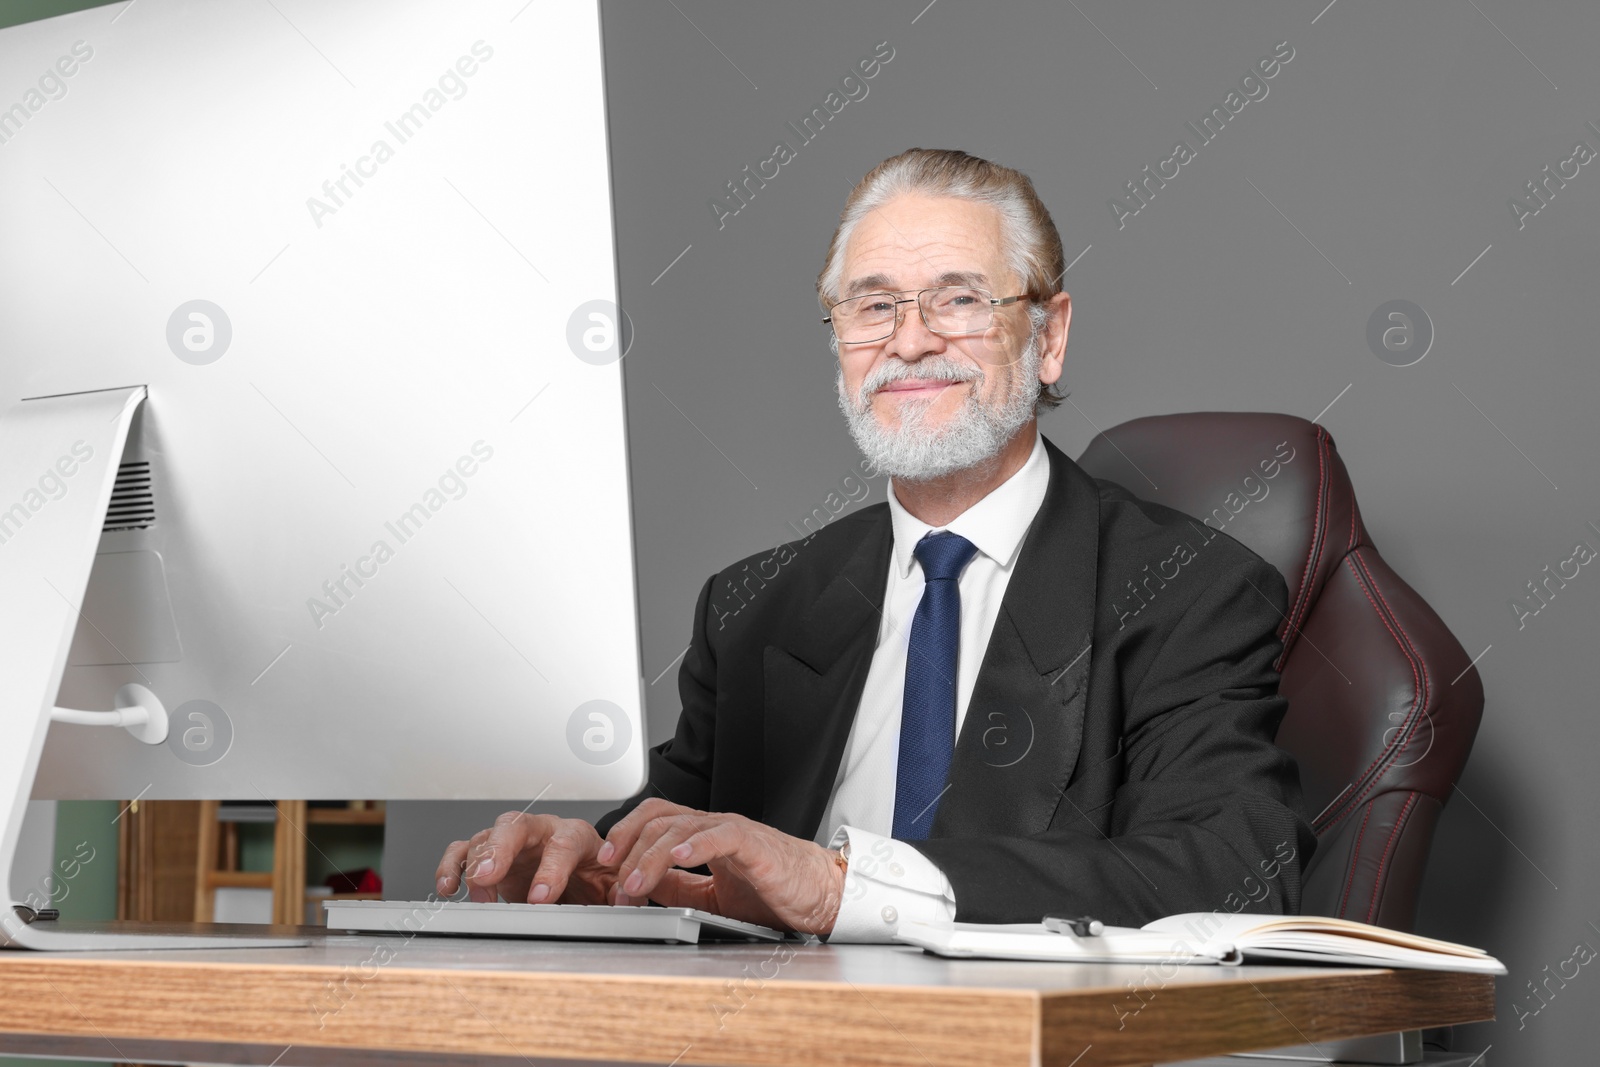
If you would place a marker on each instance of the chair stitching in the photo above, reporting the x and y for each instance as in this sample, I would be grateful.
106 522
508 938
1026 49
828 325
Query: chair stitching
1420 663
1419 667
1383 860
1419 692
1352 543
1355 859
1422 686
1339 803
1313 550
1313 547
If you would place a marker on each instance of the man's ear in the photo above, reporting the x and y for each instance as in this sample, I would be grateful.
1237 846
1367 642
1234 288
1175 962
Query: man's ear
1052 354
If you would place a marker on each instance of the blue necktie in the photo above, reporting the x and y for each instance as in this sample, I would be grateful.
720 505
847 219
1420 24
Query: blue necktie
928 712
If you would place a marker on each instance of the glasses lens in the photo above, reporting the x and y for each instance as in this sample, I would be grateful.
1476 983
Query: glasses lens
864 318
958 311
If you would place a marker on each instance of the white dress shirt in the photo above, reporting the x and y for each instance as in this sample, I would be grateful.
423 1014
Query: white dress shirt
889 881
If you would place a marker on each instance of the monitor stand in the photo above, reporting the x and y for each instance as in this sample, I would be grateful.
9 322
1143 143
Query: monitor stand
47 547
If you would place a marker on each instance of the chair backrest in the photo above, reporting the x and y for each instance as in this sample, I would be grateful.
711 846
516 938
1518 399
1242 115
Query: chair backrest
1383 701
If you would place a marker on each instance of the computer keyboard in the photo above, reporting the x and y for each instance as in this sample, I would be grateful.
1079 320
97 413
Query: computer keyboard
564 922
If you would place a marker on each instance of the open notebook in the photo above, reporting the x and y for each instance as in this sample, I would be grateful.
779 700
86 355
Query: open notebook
1205 937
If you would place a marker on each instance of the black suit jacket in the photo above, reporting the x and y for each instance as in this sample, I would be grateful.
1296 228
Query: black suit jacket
1116 758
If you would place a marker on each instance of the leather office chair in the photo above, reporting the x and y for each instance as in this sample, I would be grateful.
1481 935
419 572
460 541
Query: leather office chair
1383 706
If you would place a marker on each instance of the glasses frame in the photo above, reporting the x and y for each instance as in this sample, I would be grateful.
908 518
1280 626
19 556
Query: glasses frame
900 318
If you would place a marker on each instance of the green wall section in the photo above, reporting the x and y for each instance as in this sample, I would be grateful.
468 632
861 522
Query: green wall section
14 12
86 858
332 849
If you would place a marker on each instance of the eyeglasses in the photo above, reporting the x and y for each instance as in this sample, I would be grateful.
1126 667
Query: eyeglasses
949 310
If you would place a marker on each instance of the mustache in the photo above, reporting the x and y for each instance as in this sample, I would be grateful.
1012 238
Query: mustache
928 368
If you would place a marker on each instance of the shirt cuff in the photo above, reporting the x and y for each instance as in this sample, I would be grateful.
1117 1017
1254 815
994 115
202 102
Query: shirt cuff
888 882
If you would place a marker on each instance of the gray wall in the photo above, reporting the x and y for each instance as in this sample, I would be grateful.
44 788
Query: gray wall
1378 167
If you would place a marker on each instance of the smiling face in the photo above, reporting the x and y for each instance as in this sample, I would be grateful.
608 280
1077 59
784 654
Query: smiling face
922 404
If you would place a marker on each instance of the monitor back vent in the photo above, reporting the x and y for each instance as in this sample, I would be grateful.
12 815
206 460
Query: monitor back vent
133 504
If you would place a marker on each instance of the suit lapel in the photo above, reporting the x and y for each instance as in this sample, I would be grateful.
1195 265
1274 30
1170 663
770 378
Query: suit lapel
813 677
1023 727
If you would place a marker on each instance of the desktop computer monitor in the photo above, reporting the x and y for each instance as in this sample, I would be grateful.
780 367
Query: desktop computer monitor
311 408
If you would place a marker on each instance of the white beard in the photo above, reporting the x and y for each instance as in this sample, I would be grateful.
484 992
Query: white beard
973 436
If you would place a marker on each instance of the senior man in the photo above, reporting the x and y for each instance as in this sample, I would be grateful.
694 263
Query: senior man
935 708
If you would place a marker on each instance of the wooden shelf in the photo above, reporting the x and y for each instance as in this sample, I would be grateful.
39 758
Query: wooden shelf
173 855
344 816
215 867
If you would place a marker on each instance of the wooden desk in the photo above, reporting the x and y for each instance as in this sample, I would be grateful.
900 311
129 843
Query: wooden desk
390 1000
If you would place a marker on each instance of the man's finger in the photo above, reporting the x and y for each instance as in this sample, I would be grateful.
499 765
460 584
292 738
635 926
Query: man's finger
646 835
710 841
465 860
562 854
625 833
446 877
652 852
489 862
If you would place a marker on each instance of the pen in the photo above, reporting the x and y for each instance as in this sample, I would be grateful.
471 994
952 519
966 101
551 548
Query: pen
1074 925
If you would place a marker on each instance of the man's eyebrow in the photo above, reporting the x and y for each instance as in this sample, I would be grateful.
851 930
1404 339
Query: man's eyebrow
875 283
962 277
870 283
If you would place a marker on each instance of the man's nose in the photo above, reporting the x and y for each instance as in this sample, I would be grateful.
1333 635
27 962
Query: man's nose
913 339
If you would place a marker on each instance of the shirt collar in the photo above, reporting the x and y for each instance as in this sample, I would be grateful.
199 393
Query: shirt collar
994 524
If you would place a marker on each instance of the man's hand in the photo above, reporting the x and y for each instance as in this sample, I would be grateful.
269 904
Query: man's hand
539 859
758 874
